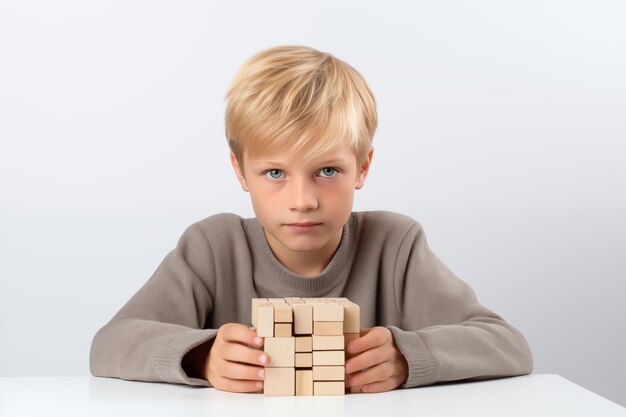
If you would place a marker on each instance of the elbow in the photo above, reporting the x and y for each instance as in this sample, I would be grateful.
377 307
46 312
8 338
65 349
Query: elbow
526 362
97 354
521 357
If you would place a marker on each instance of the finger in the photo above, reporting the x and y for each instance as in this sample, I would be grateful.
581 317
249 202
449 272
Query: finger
234 332
234 385
234 370
380 386
235 352
366 359
371 339
378 373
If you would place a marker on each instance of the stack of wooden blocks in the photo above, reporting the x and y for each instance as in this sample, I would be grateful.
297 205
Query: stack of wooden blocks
305 339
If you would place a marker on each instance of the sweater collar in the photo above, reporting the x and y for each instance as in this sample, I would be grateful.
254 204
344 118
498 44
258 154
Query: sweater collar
272 279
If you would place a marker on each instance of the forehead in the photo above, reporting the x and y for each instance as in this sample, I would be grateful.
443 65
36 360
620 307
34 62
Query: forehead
339 154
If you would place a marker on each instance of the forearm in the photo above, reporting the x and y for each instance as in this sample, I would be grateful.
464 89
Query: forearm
476 349
146 350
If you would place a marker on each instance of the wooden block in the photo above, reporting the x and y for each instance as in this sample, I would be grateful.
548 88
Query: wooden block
281 350
265 320
303 318
304 360
282 313
329 373
328 388
282 330
349 337
327 312
304 344
276 300
279 381
304 382
328 357
294 300
328 328
351 318
255 304
328 342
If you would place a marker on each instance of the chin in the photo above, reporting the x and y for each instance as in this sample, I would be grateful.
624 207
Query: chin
304 245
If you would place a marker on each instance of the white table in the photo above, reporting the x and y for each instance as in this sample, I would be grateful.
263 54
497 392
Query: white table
531 395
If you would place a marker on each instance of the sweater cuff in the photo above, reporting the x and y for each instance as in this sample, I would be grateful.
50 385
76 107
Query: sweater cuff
423 367
167 363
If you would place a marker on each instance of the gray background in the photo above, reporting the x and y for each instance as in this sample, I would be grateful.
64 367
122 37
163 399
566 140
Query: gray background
502 131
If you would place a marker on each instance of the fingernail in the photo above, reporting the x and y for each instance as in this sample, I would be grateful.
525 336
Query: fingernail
261 373
259 384
348 369
263 358
352 348
258 341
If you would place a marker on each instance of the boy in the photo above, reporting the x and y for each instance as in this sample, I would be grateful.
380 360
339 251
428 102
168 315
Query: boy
300 124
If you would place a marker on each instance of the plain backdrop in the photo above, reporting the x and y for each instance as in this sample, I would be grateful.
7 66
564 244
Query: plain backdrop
502 130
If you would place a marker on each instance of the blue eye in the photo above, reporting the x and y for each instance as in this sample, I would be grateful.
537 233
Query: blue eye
274 174
328 172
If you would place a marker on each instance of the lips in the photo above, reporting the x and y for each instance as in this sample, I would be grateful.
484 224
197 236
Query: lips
303 226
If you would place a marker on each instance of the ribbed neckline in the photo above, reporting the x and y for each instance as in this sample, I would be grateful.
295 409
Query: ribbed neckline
270 273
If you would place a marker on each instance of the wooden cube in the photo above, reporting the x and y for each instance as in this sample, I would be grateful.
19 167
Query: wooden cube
329 373
282 330
265 320
313 363
279 381
281 350
282 313
328 342
351 318
328 388
329 311
328 328
328 357
304 360
304 344
255 304
303 318
304 382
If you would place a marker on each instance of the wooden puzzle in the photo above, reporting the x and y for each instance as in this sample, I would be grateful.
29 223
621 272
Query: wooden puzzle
305 339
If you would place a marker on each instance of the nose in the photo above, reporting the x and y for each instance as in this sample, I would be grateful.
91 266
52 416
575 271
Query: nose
302 195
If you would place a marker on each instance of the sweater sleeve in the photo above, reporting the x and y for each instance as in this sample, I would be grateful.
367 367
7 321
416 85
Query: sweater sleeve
445 333
148 338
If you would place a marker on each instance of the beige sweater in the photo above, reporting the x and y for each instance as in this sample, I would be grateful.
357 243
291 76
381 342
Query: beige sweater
383 263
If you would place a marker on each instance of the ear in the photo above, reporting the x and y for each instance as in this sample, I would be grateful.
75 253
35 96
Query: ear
364 169
239 172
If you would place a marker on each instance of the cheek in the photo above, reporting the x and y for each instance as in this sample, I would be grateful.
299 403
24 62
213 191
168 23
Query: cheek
264 206
341 197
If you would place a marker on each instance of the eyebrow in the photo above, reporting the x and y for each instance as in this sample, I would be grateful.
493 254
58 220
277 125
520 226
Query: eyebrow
277 163
331 161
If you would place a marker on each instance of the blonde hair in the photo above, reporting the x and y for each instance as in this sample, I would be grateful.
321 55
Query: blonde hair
298 99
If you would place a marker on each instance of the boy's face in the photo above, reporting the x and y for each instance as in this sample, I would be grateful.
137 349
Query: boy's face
302 205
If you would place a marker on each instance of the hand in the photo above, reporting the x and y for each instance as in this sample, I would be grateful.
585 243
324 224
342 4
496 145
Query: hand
378 365
232 364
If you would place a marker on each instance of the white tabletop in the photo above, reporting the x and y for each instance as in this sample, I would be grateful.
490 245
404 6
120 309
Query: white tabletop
531 395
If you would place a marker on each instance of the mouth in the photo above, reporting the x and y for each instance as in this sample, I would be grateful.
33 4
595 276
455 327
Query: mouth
303 227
